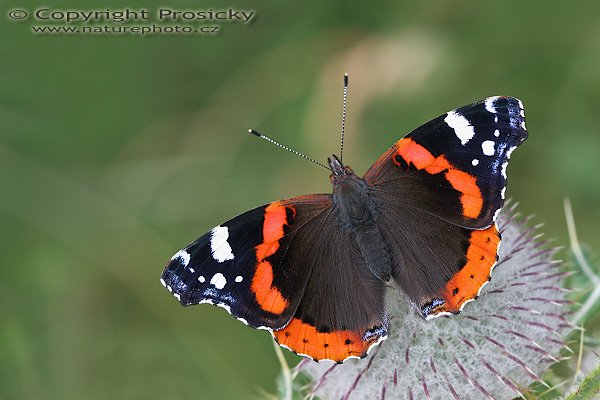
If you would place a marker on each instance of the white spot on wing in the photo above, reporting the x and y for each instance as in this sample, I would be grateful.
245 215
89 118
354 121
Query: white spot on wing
496 215
219 247
489 104
238 278
488 147
201 279
503 192
496 133
440 314
265 328
475 162
509 151
461 126
224 306
182 255
218 281
162 281
504 169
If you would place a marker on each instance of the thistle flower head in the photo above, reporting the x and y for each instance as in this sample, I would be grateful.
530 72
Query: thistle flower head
498 346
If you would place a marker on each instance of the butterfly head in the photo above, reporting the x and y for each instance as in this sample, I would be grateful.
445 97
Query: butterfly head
340 172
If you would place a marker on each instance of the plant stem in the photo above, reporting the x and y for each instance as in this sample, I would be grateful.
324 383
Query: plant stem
285 370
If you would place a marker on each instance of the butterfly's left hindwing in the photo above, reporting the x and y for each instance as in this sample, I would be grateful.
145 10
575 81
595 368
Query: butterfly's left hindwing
342 312
237 265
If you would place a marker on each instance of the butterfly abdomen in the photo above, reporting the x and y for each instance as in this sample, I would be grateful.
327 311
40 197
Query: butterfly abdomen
374 251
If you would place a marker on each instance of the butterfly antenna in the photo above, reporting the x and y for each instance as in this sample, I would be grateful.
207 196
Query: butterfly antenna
268 139
344 117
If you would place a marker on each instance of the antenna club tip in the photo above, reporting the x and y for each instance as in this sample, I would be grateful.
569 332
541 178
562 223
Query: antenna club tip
346 79
252 131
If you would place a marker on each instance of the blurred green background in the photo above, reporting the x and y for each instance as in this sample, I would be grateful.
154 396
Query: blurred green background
115 151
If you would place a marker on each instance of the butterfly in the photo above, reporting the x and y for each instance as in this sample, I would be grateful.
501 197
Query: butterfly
313 269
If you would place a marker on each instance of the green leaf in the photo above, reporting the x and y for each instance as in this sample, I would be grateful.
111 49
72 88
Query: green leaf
589 387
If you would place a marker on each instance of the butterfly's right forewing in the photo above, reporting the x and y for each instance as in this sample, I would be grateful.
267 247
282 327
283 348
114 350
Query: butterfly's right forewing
239 265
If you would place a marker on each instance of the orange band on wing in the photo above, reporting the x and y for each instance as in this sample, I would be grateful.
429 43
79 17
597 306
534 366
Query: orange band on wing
414 153
303 338
471 198
275 220
481 257
417 155
268 297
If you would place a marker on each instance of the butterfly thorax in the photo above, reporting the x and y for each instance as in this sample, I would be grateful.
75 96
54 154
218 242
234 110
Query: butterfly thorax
350 195
357 213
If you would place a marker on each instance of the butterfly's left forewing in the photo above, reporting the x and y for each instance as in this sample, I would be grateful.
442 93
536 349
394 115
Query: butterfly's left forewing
454 166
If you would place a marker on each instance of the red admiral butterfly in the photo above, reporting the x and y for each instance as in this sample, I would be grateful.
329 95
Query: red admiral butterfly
313 269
